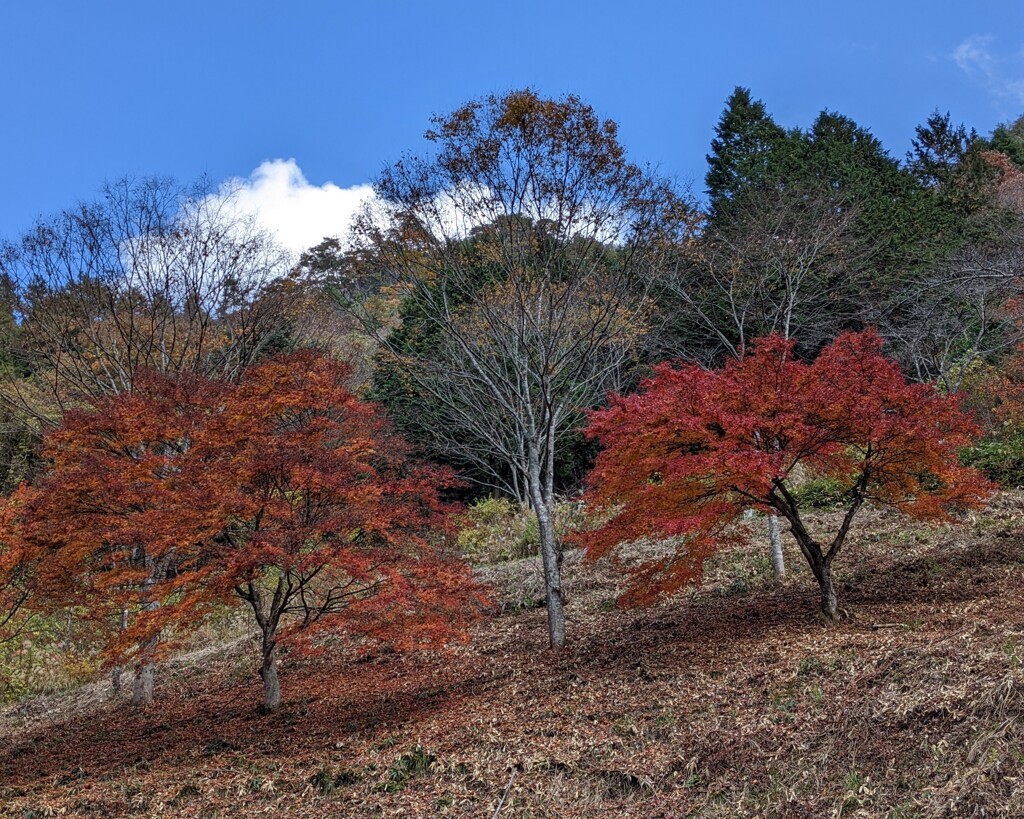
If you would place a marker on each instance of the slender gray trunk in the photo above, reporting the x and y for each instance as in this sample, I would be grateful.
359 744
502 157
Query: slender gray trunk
145 673
268 671
774 537
543 508
552 576
117 672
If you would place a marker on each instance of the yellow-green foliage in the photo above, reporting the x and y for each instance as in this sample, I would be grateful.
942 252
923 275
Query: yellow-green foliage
52 655
497 529
821 493
1000 458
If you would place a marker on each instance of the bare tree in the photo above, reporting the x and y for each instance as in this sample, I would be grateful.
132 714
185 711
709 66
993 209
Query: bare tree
966 310
151 276
523 248
786 262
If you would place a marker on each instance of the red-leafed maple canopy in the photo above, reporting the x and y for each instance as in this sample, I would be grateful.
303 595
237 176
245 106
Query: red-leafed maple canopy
695 448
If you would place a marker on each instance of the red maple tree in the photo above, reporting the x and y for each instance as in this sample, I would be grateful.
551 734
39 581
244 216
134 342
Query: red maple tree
696 448
16 570
114 526
283 490
330 523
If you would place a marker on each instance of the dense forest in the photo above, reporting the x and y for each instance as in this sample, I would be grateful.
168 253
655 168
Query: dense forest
532 385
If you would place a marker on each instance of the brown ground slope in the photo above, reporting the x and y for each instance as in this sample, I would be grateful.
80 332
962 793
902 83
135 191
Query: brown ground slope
734 701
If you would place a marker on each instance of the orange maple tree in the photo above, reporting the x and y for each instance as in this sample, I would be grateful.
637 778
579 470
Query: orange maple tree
16 572
113 527
695 448
283 490
330 523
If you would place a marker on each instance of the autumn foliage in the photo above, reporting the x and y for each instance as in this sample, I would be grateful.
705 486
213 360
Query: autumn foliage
695 448
330 522
16 567
115 527
283 490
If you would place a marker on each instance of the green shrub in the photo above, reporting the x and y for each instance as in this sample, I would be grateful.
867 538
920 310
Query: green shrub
820 493
498 529
416 760
1001 459
327 782
494 529
54 653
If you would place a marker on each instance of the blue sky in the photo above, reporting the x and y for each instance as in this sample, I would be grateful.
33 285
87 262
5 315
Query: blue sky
90 91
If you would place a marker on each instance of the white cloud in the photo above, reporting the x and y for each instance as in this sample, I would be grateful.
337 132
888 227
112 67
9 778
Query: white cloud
1001 75
974 55
300 214
283 201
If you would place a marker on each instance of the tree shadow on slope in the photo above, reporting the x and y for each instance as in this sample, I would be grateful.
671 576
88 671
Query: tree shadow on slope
871 585
947 573
321 705
199 722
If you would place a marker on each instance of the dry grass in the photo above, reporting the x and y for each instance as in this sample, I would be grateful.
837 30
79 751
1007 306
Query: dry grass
731 701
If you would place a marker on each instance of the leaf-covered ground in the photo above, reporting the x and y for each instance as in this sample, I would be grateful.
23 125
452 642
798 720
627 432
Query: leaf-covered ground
732 701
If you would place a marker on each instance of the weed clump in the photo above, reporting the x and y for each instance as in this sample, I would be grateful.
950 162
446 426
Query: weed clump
417 760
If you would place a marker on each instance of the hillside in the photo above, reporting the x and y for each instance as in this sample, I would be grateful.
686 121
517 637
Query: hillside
734 700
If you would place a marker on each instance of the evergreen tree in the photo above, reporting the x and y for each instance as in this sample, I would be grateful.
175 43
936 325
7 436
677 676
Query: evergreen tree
741 152
821 226
938 150
1008 139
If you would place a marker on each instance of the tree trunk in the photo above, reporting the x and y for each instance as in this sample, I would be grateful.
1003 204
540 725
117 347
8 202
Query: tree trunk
145 671
117 672
542 498
552 576
142 687
829 603
821 568
820 561
778 560
268 671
